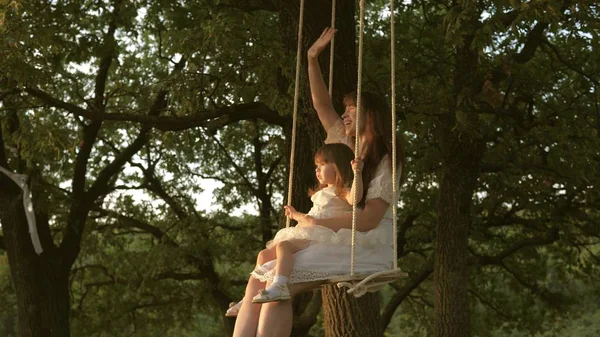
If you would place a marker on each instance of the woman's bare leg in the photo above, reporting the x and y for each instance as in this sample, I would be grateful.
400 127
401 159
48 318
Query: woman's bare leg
276 317
247 318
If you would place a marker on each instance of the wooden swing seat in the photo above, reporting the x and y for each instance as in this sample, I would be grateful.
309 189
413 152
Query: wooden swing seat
359 284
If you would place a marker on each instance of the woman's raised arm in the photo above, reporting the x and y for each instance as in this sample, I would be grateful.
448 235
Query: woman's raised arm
320 96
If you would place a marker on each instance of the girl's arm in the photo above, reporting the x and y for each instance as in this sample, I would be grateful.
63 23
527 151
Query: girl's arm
357 184
293 214
320 95
366 219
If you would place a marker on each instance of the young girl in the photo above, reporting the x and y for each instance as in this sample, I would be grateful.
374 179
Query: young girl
335 169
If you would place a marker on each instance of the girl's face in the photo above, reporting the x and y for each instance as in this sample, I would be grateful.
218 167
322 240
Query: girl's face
325 173
349 118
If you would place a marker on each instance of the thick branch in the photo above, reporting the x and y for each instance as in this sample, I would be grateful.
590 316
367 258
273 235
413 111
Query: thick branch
205 264
237 168
117 280
153 184
569 64
100 186
57 103
534 40
497 259
2 245
5 94
272 168
129 222
507 18
401 239
250 5
489 304
180 276
255 110
80 205
3 158
212 119
397 299
535 288
105 61
83 204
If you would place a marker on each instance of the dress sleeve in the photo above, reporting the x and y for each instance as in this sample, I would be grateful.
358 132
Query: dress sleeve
336 133
381 184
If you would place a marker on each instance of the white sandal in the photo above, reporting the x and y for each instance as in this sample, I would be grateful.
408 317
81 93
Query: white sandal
277 292
234 309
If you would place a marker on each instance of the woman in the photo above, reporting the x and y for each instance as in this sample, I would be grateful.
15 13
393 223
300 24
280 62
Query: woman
321 261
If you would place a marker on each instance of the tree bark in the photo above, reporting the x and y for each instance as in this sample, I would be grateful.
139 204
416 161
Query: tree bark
463 149
347 316
40 282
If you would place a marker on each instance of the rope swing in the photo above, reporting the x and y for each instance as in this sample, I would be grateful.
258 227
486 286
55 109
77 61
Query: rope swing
295 111
357 284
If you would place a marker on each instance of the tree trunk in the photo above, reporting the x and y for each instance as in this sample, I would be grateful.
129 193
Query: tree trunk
40 282
348 316
451 307
463 151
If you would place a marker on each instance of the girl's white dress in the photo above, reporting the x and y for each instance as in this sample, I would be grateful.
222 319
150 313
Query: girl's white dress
328 253
326 204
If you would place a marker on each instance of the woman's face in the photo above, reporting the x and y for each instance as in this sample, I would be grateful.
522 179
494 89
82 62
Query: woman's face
349 119
325 173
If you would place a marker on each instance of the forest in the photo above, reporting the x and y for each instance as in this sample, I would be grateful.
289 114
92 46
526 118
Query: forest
154 137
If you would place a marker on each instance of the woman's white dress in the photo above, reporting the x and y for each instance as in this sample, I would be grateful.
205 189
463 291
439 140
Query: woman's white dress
329 254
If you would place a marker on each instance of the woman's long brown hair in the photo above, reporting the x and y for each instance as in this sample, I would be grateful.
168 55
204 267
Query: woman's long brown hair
340 156
378 132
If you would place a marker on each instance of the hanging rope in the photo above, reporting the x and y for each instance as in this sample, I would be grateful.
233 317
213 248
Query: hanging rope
393 107
332 49
358 285
357 131
295 111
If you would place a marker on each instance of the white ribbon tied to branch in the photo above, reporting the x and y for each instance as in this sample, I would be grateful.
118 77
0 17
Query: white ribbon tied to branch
21 181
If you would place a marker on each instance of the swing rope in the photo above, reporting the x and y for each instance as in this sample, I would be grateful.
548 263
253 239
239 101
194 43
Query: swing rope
332 49
295 111
393 108
357 131
376 280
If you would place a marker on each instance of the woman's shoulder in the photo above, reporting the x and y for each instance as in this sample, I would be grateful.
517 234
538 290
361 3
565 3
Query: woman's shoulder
384 166
337 134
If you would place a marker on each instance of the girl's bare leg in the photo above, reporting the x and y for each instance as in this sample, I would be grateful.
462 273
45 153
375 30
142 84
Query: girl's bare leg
285 256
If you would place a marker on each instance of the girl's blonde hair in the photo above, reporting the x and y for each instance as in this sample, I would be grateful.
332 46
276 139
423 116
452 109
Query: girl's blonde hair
340 156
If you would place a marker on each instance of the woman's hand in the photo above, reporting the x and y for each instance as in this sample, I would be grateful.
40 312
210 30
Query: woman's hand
357 165
315 50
